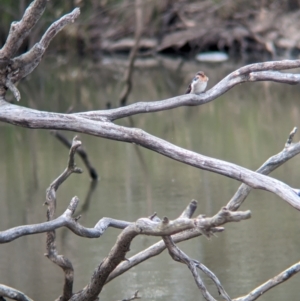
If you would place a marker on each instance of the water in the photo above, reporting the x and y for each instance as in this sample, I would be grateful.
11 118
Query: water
245 126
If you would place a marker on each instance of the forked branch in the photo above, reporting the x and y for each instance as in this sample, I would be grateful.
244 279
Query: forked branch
12 68
145 226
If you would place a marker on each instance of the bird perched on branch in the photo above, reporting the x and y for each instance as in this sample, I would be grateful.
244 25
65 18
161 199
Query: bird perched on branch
198 84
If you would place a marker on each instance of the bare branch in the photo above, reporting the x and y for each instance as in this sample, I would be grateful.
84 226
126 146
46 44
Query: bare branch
81 152
278 279
291 137
64 220
57 26
247 73
214 278
20 30
71 168
206 226
9 292
179 255
37 119
155 250
143 226
28 61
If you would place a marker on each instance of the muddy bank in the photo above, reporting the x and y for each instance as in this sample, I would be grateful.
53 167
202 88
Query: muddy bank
241 28
262 29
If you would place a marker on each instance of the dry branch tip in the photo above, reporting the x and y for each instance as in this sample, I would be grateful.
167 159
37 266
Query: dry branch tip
291 136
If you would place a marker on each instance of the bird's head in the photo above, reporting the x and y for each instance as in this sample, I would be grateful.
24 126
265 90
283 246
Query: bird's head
200 76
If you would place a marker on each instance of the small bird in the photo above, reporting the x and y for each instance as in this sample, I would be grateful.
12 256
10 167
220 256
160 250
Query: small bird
198 84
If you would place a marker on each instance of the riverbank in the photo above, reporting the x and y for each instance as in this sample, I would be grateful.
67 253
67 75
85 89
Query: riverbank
260 29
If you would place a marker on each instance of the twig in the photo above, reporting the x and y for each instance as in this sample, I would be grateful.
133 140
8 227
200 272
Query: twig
81 152
9 84
214 278
180 256
291 136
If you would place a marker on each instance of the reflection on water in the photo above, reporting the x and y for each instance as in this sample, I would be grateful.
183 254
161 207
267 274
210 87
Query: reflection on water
246 126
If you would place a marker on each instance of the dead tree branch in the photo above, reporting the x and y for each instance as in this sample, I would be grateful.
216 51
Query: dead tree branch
266 70
80 151
15 68
20 30
36 119
146 226
64 220
214 278
24 64
160 246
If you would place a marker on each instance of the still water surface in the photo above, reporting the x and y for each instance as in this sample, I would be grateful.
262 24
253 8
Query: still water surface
246 126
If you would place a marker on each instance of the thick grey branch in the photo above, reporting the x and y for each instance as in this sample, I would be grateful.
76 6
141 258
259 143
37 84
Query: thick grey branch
37 119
